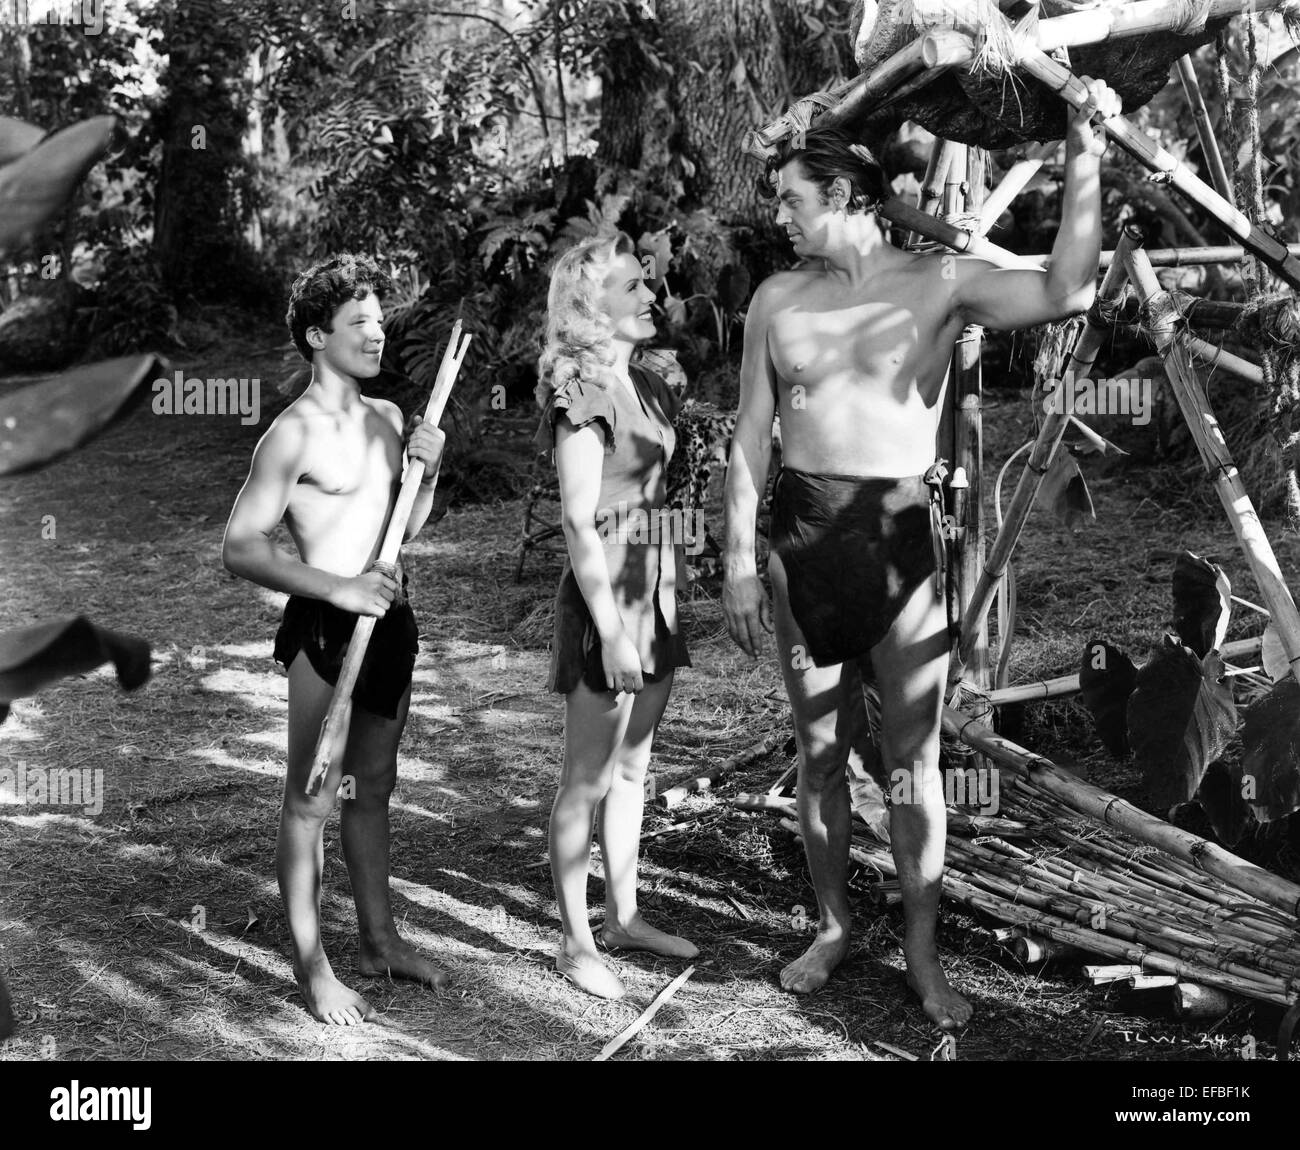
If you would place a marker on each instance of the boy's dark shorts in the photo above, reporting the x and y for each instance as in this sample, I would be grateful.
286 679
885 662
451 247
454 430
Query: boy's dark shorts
323 632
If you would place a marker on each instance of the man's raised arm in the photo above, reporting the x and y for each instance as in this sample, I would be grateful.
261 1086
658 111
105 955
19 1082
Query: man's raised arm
744 602
1007 299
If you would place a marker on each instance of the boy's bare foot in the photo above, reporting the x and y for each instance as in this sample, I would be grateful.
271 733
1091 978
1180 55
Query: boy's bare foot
811 970
947 1009
585 970
401 960
329 1000
640 935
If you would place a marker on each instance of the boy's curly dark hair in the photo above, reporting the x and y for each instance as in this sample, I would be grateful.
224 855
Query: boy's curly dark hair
323 288
825 153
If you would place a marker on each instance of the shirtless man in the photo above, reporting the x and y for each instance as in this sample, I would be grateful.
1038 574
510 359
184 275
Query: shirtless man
331 466
851 348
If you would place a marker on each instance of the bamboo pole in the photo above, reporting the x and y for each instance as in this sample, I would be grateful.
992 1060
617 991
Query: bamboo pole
1217 314
1193 256
900 212
1116 812
1204 130
1195 406
936 171
615 1045
1111 23
335 718
1217 357
1069 684
968 454
1013 183
1150 154
1031 478
954 184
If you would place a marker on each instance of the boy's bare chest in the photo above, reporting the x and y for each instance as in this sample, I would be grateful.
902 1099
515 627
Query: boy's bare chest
353 458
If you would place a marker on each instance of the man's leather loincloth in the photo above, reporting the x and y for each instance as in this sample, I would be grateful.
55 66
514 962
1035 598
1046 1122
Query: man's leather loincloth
854 550
323 631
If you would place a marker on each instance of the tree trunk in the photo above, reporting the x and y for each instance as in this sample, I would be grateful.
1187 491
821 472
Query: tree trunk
736 64
204 196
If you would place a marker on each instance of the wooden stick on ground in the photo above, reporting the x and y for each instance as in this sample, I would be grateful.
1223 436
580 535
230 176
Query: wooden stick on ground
332 726
674 795
613 1047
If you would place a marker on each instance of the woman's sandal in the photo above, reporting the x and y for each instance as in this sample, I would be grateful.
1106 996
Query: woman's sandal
590 974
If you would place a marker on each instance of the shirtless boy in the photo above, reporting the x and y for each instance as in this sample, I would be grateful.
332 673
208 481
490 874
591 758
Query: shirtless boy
852 347
330 466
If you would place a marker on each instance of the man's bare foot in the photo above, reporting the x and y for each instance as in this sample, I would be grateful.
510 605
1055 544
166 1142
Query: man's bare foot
584 969
810 971
944 1006
640 935
329 1000
401 960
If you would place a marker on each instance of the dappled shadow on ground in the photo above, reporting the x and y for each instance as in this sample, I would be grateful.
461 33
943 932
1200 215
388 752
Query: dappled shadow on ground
153 928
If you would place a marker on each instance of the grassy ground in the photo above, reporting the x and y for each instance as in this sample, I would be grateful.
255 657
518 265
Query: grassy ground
98 914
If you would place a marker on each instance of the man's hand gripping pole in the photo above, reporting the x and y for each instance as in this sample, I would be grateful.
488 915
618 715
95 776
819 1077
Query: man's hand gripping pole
332 728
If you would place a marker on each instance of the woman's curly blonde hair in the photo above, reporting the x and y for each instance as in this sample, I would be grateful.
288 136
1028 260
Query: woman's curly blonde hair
578 332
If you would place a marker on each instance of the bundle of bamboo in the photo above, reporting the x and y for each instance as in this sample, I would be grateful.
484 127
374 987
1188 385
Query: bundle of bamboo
1087 888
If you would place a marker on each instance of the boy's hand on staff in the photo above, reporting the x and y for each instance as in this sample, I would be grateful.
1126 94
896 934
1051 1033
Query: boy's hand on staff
425 442
622 663
368 594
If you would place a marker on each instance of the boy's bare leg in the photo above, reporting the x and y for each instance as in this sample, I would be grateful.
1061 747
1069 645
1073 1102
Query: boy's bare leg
816 695
371 760
912 665
620 831
299 851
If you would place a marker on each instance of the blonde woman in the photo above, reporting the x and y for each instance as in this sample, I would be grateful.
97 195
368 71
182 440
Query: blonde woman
616 642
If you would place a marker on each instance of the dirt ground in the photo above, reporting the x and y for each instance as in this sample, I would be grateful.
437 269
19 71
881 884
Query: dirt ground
98 912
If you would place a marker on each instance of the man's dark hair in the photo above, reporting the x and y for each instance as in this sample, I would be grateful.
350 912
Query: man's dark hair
825 154
323 288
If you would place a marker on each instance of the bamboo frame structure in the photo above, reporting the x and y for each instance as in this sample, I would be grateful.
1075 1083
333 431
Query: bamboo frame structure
1065 685
1076 29
1110 810
1213 448
1040 459
1152 156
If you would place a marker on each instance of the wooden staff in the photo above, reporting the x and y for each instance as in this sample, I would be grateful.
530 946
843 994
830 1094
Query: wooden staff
336 717
1152 156
1199 417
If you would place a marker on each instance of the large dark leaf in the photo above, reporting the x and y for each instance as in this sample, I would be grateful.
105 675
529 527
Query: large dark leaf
1180 719
1220 797
1270 764
35 186
33 656
1202 603
47 420
1064 491
733 287
17 139
1107 678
